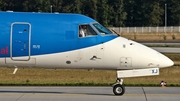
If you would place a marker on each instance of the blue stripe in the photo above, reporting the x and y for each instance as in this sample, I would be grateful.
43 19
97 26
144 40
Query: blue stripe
54 45
50 33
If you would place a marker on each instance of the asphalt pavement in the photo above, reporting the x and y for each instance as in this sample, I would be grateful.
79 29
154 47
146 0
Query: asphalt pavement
43 93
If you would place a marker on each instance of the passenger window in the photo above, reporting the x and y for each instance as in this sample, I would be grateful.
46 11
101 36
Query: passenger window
86 30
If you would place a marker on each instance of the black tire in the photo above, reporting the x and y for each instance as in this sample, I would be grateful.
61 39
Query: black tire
118 89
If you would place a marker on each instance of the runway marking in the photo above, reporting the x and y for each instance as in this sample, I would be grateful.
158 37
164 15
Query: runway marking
20 97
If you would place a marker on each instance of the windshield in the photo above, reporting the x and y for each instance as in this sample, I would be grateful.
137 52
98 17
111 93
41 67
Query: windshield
101 29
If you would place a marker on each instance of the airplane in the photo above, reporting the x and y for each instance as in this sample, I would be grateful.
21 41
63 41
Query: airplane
55 41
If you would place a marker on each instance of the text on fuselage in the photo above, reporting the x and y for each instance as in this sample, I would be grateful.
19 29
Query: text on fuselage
4 50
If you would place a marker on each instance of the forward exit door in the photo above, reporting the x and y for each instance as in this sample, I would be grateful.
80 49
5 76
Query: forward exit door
20 41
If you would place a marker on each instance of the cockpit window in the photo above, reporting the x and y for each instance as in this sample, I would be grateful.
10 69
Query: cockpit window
86 30
101 29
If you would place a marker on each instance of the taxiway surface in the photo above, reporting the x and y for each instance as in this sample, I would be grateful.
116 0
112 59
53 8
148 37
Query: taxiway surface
88 94
166 49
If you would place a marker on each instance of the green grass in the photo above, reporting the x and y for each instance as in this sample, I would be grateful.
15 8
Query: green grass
64 77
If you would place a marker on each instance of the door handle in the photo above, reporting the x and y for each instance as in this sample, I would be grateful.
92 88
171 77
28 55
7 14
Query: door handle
24 45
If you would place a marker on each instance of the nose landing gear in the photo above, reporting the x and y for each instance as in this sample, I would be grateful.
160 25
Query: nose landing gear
118 88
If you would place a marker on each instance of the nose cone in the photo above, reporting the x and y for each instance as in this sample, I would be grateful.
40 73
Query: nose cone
164 61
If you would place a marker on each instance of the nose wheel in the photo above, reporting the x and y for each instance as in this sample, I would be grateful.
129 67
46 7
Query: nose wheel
118 88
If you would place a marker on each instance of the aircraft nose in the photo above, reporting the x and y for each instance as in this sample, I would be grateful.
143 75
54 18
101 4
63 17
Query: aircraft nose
164 61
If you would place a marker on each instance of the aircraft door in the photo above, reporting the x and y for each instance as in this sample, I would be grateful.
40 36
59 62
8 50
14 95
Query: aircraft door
20 41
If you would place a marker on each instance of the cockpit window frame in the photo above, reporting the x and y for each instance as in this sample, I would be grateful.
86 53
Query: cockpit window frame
90 30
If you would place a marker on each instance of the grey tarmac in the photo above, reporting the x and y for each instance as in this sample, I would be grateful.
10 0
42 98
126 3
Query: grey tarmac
59 93
166 49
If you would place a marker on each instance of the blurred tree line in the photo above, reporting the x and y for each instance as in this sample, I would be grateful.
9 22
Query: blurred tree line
124 13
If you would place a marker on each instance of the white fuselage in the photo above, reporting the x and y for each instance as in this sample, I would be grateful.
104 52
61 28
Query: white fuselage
119 53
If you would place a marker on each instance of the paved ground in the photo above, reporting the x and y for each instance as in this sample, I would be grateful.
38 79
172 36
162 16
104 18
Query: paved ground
88 94
166 49
161 43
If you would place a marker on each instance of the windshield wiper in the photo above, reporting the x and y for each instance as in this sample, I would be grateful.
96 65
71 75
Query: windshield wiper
114 32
